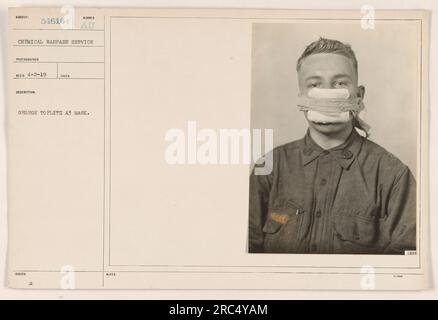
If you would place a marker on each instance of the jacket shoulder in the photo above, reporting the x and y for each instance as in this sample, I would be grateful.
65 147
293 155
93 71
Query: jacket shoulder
288 147
386 159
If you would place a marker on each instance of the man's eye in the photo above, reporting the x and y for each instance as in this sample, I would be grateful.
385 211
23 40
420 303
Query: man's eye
341 84
313 85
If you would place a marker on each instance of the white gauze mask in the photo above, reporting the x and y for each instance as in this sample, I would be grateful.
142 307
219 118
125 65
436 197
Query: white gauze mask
328 105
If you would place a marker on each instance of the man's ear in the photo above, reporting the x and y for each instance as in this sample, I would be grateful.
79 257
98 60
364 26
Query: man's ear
361 92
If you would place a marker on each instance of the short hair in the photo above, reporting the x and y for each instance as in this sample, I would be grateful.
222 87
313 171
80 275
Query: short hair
324 45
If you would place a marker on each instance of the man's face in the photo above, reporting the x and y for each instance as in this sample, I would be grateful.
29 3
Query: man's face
328 71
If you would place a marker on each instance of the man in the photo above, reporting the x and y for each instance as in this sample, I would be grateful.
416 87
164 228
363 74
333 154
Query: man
334 191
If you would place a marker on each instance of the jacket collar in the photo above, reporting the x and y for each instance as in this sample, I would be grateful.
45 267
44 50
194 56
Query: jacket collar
344 154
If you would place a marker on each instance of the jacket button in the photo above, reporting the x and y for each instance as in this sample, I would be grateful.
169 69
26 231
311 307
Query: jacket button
318 214
347 154
323 182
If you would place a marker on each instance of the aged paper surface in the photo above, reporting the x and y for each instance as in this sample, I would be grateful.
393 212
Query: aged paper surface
96 197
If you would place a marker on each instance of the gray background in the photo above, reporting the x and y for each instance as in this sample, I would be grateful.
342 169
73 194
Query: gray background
388 59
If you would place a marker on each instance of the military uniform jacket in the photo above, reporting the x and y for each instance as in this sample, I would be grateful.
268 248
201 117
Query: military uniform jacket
356 198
